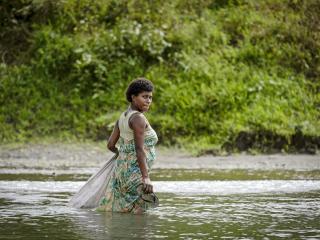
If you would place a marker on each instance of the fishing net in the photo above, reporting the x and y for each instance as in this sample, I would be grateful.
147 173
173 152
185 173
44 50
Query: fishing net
94 189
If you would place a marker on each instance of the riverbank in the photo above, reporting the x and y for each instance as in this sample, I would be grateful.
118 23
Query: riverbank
92 155
228 75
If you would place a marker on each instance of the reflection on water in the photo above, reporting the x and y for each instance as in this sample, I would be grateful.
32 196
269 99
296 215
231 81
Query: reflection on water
72 174
188 210
178 187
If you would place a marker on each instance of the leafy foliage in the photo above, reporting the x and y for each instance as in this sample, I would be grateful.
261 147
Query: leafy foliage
235 74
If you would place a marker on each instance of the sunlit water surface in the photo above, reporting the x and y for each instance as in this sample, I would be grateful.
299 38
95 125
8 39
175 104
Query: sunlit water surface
188 210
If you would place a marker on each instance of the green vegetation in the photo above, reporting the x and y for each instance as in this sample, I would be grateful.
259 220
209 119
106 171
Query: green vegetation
230 75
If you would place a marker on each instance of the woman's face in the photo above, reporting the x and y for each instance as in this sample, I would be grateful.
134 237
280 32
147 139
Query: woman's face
142 101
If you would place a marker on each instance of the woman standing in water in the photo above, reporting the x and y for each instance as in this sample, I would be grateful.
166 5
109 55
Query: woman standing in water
127 186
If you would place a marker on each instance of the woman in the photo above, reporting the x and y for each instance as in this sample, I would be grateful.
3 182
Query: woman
126 183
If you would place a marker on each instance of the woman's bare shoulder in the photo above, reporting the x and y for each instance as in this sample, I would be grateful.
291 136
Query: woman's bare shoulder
137 119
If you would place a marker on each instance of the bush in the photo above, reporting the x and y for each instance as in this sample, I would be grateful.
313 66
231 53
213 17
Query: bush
228 74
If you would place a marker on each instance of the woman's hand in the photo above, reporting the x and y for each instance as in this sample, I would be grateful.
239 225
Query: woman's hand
147 185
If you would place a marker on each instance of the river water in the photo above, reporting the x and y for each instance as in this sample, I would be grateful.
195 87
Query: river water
36 208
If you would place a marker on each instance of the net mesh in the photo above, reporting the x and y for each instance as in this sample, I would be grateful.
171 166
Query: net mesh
94 189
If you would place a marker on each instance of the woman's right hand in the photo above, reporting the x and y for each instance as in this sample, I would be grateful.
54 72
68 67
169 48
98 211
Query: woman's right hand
147 185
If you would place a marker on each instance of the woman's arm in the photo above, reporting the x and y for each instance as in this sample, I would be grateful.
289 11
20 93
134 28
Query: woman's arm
113 139
138 125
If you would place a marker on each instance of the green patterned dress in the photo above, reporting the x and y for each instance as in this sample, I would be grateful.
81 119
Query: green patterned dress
123 193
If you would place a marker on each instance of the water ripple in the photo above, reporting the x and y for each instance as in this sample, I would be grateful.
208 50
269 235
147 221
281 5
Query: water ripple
180 187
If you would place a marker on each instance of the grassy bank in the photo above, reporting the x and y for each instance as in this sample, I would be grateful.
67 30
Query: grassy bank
231 75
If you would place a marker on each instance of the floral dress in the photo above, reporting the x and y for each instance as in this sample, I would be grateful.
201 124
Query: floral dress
124 192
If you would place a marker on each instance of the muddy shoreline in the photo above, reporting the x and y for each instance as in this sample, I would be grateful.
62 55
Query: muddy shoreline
91 155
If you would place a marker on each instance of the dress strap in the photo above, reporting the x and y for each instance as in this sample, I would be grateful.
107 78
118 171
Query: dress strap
130 113
125 131
137 112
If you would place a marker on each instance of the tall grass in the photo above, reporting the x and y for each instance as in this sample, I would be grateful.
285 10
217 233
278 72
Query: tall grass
229 75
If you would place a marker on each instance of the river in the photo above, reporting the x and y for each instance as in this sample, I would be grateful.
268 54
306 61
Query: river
33 208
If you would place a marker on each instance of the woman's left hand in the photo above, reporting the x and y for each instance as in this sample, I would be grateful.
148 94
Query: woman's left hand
147 185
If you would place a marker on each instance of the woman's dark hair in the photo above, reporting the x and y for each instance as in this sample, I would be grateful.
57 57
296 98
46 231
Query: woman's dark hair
137 86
